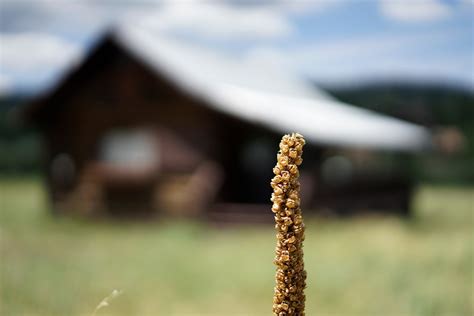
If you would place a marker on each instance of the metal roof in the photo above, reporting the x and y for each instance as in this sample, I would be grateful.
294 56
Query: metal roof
270 97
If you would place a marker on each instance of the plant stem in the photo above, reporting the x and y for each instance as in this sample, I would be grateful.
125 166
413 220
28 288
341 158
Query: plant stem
289 298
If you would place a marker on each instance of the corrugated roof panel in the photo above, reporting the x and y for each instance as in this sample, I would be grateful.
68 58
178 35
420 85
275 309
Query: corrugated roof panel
270 97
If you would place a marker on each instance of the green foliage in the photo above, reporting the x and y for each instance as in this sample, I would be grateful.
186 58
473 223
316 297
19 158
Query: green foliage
429 105
366 266
19 146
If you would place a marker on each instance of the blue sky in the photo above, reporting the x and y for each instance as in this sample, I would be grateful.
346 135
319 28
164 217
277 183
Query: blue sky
333 42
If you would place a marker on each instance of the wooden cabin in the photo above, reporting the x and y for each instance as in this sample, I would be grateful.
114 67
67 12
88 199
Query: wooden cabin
147 125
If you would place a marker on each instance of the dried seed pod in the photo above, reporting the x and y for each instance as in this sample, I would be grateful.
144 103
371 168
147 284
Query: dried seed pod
289 298
292 168
283 161
285 176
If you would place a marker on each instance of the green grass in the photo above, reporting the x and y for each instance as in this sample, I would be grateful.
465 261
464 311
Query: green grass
364 266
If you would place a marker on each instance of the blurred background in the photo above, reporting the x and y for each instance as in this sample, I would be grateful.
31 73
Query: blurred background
137 140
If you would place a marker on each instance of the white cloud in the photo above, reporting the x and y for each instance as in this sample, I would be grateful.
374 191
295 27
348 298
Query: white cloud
450 69
216 20
306 6
382 56
201 18
353 50
415 10
223 20
34 60
359 49
32 54
24 53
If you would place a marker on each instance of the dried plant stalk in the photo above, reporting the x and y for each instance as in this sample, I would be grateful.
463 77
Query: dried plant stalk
289 298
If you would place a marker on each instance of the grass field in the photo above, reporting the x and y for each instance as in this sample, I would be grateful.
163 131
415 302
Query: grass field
365 266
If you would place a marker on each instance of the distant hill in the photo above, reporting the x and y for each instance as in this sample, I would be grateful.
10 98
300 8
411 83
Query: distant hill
429 105
11 100
8 104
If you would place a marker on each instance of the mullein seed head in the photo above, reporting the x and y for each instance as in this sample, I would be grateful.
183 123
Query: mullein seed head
289 298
